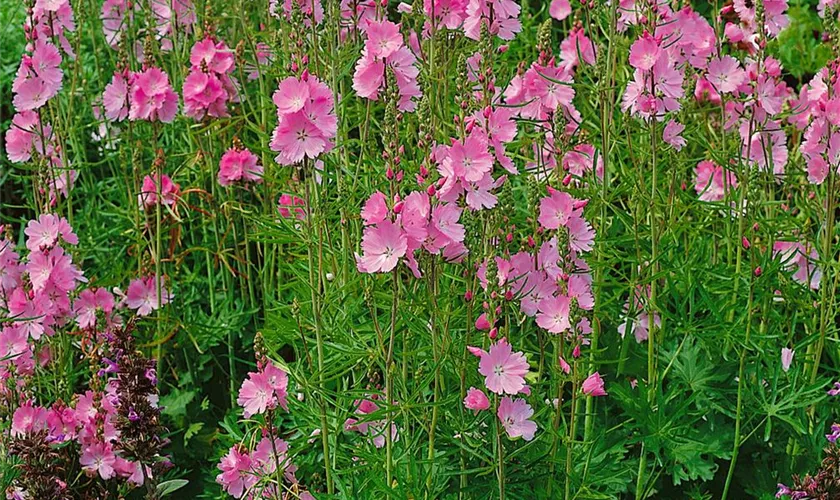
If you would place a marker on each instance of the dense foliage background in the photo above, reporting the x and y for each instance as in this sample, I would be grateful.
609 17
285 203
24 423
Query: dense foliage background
708 391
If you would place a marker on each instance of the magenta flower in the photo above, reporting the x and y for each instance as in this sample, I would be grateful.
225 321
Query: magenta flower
169 191
593 385
514 415
476 400
239 165
504 370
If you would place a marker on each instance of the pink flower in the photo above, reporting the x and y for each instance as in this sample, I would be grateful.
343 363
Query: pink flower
239 164
559 9
115 97
88 303
382 245
802 259
38 77
645 52
152 98
237 476
98 458
24 135
787 358
297 138
287 203
142 295
503 369
556 209
44 232
471 160
308 132
383 38
291 96
52 268
581 234
375 209
28 419
671 134
553 314
711 182
514 415
593 385
449 13
169 191
204 95
504 21
476 400
114 20
213 56
564 365
257 393
725 74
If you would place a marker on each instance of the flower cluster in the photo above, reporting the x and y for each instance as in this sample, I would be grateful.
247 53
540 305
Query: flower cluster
384 50
306 120
209 86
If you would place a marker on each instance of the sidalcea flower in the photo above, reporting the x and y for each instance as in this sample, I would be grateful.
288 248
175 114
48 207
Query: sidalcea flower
169 191
38 77
45 232
209 86
556 209
263 390
553 314
115 98
384 47
145 295
501 16
504 370
712 182
725 74
559 9
671 134
476 400
787 358
593 385
307 132
802 259
98 458
152 98
514 415
382 245
237 474
239 165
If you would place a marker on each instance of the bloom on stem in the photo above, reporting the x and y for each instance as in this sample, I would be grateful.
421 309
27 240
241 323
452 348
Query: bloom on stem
514 415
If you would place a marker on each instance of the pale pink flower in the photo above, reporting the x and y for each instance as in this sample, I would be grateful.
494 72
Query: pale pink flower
712 182
115 97
553 314
476 400
375 209
514 415
559 9
503 369
88 303
671 134
556 209
142 295
725 74
581 234
787 358
239 165
291 96
383 38
645 52
38 77
98 458
471 160
297 138
802 259
593 385
45 232
256 394
214 56
114 19
28 419
383 245
25 135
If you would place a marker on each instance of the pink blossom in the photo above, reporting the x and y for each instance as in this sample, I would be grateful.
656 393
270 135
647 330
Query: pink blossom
476 400
375 209
556 209
53 269
143 296
671 134
787 358
38 78
236 477
98 458
448 13
593 385
25 135
503 23
725 74
712 182
263 390
559 9
514 415
115 97
645 52
169 191
288 203
114 19
553 314
503 369
45 232
291 96
382 245
802 259
239 165
28 419
152 98
88 303
383 38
